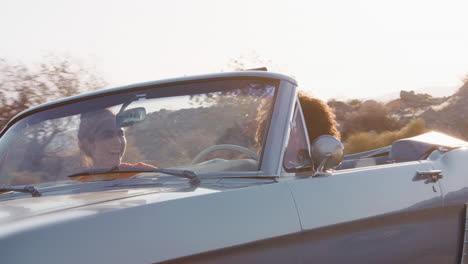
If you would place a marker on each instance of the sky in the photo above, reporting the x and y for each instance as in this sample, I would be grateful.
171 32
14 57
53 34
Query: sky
334 49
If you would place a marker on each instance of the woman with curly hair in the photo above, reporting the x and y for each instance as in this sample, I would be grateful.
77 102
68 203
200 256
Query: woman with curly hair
319 117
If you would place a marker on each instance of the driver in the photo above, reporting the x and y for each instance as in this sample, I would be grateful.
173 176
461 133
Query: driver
102 142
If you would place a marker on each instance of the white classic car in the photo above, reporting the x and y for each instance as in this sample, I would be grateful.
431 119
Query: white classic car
219 169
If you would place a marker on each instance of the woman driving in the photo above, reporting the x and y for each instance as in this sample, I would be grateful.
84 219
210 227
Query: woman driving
102 143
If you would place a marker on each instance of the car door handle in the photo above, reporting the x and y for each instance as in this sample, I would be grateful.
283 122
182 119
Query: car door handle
433 175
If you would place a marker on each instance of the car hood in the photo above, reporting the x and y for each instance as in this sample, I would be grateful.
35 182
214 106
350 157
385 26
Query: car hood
144 225
97 197
17 209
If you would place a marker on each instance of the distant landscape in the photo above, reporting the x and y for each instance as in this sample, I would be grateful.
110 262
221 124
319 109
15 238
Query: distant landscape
368 124
364 124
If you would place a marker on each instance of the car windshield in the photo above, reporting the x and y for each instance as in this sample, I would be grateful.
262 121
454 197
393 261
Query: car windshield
205 126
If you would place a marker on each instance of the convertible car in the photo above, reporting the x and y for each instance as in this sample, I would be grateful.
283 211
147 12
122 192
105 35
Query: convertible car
219 169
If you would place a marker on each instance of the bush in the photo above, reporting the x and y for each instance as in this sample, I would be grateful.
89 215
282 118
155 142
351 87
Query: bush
367 116
364 141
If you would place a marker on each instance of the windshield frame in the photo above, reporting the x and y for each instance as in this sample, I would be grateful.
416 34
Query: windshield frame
283 79
278 83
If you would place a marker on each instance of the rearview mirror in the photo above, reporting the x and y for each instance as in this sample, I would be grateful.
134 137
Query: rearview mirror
327 153
130 116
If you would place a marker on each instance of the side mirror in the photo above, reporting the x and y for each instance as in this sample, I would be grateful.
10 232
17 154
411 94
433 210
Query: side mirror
326 153
131 116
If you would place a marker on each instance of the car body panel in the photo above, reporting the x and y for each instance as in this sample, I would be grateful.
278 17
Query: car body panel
136 229
19 209
352 201
454 184
370 240
337 216
347 194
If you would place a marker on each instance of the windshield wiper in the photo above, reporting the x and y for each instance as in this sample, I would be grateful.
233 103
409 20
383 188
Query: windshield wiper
187 174
26 189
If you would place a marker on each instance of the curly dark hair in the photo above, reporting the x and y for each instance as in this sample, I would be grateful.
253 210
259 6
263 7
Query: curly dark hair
319 117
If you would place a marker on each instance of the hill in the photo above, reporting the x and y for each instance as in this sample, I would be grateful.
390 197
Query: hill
448 114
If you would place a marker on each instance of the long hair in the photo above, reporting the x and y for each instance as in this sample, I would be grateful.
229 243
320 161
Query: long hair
319 118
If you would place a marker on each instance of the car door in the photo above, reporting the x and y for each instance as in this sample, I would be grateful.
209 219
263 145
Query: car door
376 214
453 169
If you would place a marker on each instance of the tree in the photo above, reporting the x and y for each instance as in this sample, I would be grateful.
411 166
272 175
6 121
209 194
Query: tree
22 87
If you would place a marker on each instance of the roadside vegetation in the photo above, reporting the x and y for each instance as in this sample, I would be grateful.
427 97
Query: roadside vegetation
23 86
363 125
366 125
363 141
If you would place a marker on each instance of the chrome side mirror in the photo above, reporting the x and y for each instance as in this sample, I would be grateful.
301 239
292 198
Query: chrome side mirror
326 153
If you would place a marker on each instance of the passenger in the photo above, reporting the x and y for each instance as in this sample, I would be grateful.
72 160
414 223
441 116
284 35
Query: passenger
102 142
319 118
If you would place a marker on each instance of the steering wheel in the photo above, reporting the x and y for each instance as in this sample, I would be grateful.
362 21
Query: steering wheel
247 151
